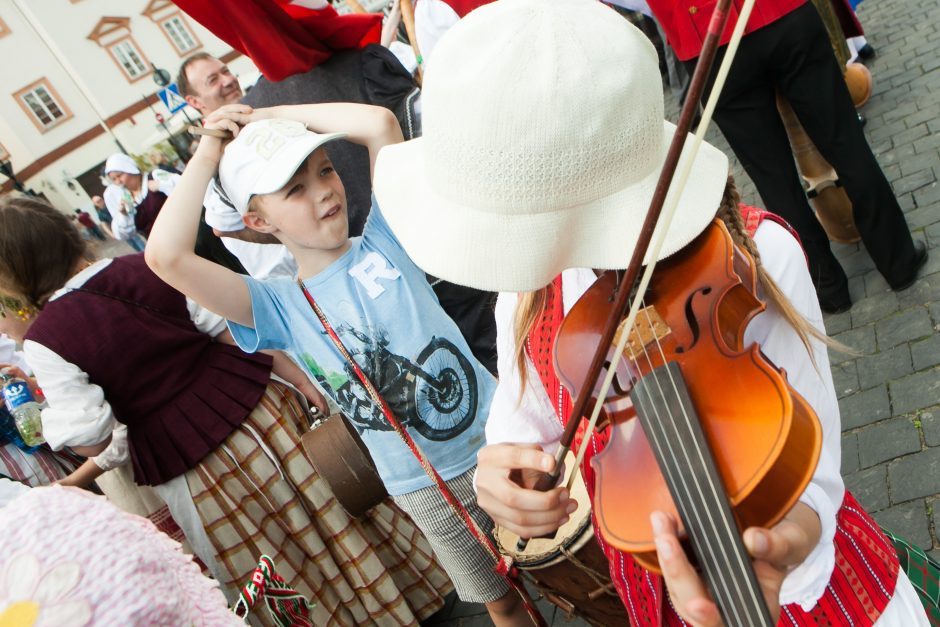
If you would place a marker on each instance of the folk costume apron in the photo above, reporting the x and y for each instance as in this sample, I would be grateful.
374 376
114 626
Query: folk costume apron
866 564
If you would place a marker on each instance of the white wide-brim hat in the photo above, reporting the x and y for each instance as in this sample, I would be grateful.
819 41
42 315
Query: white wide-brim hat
543 142
264 157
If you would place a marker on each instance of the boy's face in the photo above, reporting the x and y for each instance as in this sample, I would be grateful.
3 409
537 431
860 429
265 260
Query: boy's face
310 210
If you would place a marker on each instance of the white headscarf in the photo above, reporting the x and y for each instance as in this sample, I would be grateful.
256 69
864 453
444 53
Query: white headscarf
119 162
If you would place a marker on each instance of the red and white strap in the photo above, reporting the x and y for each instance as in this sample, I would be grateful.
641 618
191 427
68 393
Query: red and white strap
503 563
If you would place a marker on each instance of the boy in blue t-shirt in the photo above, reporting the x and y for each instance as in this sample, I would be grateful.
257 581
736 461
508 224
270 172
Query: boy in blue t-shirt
278 176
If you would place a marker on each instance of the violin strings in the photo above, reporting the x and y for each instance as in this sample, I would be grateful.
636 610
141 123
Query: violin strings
706 541
737 560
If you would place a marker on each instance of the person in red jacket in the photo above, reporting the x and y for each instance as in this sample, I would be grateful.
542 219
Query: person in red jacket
785 48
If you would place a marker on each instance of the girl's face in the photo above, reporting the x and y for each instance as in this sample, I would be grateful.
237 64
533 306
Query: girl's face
309 211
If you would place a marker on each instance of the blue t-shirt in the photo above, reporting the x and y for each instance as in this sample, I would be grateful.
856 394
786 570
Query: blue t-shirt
388 317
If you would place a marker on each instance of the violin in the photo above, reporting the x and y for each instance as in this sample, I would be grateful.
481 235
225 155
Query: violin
723 441
701 426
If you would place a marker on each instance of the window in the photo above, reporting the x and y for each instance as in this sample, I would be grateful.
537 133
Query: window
42 104
129 58
183 39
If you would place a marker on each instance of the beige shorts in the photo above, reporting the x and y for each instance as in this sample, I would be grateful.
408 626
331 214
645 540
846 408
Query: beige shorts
468 564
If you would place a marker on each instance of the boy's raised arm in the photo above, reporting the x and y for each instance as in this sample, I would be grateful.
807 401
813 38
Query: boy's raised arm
171 247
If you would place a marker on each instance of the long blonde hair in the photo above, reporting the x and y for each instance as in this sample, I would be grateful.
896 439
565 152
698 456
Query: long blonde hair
531 305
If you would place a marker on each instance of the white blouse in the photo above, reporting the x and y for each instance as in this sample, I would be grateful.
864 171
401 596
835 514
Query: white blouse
533 420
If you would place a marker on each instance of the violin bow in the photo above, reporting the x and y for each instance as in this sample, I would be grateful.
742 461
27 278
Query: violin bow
663 186
663 204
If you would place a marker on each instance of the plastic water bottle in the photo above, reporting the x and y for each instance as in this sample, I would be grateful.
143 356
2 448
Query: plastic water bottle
129 203
23 407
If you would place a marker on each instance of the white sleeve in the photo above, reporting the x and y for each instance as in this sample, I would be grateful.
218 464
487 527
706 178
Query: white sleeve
784 261
166 181
77 412
122 225
433 18
219 215
206 321
9 354
117 453
518 418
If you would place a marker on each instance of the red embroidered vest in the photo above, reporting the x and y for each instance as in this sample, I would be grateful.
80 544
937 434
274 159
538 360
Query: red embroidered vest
866 564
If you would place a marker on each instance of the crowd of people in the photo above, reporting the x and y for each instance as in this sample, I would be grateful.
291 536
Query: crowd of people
343 242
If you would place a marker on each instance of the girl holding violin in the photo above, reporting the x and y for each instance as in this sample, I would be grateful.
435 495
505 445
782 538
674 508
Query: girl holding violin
540 154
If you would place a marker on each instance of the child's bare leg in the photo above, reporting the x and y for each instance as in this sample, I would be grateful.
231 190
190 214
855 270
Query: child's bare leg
509 611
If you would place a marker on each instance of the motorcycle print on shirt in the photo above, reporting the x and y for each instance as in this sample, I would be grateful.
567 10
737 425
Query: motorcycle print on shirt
436 394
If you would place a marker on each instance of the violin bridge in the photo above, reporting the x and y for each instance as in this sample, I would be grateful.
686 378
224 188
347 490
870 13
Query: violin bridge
648 328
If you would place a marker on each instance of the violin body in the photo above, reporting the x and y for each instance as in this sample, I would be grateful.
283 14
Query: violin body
764 437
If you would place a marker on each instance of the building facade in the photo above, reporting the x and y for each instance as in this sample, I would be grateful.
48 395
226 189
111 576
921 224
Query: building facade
78 77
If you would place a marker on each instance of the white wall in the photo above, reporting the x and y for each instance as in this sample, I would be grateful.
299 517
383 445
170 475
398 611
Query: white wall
27 59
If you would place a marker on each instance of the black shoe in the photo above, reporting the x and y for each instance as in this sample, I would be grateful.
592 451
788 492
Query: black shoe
920 258
866 52
835 305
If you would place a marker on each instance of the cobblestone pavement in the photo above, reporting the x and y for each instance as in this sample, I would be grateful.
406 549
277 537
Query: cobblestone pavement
889 393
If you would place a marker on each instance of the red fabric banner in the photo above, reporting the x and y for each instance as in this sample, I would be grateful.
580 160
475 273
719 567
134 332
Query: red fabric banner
281 38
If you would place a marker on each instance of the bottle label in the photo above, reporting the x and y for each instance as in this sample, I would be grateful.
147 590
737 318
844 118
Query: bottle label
16 394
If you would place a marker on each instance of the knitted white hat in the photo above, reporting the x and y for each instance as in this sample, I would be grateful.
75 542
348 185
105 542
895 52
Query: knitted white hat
543 141
73 559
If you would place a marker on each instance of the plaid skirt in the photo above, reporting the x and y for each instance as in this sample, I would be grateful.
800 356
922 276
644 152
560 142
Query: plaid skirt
258 494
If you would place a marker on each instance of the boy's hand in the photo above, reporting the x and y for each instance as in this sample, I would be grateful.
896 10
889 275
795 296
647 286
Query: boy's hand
228 118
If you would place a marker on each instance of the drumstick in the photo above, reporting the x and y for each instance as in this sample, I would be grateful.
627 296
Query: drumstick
221 133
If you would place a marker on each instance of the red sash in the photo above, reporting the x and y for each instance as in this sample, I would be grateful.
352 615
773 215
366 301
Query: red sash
866 565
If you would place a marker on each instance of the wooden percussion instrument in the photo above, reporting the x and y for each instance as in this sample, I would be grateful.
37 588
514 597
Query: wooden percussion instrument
340 457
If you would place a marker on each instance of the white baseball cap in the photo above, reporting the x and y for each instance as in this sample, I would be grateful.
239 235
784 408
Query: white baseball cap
264 156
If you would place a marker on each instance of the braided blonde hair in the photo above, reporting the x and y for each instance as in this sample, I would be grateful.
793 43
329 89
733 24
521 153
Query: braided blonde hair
531 305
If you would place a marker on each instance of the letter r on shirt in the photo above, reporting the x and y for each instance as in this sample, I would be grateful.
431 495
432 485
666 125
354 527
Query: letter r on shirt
373 267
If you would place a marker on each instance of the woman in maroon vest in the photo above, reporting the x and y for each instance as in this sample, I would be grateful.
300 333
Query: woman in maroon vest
207 427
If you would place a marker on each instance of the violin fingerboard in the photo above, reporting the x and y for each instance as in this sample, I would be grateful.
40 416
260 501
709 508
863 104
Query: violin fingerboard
672 427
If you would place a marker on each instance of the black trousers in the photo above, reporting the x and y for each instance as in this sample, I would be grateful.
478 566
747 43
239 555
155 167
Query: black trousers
793 55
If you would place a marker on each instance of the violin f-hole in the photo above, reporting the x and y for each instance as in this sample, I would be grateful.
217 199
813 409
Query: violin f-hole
692 319
615 384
